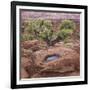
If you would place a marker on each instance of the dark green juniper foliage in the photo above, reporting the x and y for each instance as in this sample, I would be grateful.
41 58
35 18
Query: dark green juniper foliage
42 30
66 29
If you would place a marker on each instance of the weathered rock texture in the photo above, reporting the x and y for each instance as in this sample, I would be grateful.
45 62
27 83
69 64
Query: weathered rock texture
34 65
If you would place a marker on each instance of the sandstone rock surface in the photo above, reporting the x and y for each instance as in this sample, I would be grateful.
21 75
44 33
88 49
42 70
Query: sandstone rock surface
35 64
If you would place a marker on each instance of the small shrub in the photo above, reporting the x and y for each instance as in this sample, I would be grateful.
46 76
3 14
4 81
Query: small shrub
25 37
67 24
66 28
65 33
47 36
25 26
42 30
46 25
39 29
33 27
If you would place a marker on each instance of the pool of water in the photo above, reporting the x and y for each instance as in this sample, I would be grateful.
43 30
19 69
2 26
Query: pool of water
51 58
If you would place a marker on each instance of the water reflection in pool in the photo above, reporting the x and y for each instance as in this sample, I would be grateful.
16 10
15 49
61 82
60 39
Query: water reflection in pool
51 58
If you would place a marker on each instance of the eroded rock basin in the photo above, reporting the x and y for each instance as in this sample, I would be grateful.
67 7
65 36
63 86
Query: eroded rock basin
54 61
